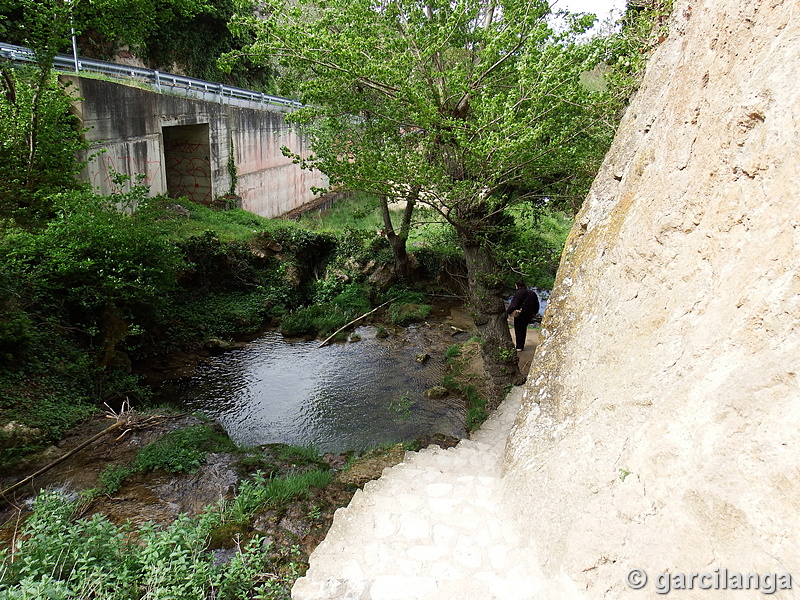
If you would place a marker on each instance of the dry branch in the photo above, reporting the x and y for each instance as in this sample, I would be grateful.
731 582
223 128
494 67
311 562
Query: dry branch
61 458
343 327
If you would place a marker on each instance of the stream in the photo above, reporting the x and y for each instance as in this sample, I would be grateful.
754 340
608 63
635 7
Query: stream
344 396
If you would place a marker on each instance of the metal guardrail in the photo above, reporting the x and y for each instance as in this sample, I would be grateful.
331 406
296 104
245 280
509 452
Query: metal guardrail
161 82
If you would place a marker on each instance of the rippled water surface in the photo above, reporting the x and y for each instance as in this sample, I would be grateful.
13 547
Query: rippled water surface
339 397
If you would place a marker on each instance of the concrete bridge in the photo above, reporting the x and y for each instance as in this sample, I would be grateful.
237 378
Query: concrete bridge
208 151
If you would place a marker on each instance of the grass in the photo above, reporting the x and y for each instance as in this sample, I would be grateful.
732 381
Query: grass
181 451
234 225
358 211
476 413
403 314
262 492
361 211
302 454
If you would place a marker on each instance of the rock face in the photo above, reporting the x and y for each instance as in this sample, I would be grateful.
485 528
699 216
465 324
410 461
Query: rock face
660 426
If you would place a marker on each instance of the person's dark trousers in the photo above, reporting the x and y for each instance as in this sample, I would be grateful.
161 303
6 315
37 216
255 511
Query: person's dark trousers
520 331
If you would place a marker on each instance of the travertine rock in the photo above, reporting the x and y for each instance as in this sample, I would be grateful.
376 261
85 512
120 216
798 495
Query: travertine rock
660 426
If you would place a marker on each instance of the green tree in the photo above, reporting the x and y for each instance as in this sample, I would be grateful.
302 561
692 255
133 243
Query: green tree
107 25
465 105
39 136
188 35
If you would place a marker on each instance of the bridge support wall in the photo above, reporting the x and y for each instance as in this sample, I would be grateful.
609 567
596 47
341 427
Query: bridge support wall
184 147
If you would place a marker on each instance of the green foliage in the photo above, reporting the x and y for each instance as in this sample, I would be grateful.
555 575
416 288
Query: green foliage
52 385
229 225
300 454
210 263
455 382
471 122
110 481
15 330
476 413
221 315
263 492
233 170
324 319
357 211
107 25
408 307
465 108
39 139
402 406
68 556
93 267
406 313
175 41
536 241
39 135
249 566
190 34
60 557
319 320
182 450
453 351
173 561
644 27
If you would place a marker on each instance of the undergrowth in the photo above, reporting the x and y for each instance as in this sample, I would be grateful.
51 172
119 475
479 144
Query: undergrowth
63 558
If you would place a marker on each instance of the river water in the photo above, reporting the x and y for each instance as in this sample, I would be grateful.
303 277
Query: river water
344 396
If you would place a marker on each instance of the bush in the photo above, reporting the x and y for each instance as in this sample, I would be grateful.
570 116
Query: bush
409 306
324 319
213 264
91 266
15 332
534 245
39 139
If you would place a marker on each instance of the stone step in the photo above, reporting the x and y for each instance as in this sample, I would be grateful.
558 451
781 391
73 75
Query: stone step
430 528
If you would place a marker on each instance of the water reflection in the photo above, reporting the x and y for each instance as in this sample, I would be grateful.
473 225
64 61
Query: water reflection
339 397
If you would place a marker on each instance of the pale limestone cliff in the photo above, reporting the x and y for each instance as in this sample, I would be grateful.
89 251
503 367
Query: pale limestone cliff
660 426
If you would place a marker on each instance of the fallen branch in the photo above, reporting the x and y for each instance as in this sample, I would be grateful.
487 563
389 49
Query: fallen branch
343 327
61 459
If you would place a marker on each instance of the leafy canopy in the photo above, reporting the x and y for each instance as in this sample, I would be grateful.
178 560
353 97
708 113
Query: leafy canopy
475 103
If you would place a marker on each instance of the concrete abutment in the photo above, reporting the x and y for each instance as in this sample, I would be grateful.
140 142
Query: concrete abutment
182 147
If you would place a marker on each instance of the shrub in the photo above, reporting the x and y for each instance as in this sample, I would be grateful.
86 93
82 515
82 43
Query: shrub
324 319
92 265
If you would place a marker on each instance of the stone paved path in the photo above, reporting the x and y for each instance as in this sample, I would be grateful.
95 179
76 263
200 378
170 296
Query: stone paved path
431 528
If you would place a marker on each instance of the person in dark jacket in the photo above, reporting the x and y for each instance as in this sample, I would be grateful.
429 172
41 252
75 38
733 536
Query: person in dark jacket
524 305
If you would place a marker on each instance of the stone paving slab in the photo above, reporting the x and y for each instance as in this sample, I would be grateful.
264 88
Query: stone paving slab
430 528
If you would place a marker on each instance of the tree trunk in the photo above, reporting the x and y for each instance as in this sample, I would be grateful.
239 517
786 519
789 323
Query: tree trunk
398 240
487 309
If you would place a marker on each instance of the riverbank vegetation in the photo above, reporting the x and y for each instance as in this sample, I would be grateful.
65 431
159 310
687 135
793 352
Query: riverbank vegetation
59 554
